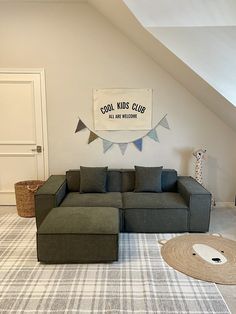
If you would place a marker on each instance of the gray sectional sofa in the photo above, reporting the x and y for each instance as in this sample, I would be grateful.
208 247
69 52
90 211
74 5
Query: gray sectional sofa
182 206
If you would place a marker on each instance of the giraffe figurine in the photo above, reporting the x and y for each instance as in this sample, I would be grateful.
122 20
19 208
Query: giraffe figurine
200 155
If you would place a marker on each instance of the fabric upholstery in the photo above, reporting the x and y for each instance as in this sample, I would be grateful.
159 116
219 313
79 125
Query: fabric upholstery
169 180
109 199
123 180
93 179
128 180
187 203
113 180
79 235
81 220
73 180
77 248
199 201
156 220
49 195
148 179
153 200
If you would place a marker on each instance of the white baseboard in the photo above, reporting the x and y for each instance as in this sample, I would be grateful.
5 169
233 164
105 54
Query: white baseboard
224 204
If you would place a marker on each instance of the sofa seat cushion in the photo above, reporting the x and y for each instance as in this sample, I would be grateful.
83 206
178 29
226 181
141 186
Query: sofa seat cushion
81 220
153 200
109 199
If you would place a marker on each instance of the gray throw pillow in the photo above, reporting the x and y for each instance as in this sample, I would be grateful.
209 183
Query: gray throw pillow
93 179
148 179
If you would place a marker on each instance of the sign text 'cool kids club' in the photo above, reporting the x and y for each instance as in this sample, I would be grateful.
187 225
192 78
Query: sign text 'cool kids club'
122 109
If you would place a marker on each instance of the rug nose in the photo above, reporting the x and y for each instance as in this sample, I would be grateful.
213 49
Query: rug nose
216 259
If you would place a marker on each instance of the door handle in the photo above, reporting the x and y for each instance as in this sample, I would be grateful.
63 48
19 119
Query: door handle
38 149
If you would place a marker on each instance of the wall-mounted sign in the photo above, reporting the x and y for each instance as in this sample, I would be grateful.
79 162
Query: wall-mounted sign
122 109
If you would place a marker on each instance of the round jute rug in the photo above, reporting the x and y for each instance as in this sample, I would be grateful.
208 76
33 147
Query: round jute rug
206 257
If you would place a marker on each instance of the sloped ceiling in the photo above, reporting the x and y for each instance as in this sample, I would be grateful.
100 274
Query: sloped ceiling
179 45
202 33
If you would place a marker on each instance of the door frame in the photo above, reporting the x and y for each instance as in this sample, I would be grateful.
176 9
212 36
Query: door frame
41 73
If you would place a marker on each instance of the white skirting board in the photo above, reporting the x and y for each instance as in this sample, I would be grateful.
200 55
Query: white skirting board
225 204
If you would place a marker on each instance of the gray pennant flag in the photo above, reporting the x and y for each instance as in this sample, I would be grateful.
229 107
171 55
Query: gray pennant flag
123 147
80 126
92 137
164 123
106 145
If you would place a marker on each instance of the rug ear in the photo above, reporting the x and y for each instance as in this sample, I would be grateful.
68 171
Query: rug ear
217 235
162 242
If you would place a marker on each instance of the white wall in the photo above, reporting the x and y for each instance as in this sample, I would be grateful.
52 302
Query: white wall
80 50
217 66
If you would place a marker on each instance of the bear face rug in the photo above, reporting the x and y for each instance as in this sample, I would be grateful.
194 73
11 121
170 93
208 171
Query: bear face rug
202 256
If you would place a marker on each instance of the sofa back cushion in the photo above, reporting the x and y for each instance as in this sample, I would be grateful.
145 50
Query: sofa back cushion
148 179
168 180
123 180
113 180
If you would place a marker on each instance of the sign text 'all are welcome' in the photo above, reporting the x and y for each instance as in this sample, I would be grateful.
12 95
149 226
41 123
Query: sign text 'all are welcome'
122 109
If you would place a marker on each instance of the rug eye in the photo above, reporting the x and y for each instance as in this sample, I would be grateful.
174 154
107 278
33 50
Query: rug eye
222 251
194 253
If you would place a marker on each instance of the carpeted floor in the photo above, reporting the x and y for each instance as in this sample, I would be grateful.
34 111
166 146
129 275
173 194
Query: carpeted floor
139 283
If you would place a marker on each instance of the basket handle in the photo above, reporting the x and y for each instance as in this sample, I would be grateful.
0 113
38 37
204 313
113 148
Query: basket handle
32 190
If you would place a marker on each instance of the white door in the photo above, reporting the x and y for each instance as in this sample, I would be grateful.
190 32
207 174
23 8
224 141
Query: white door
23 134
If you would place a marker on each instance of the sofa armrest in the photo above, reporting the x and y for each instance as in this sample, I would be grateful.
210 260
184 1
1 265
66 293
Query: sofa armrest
48 196
198 200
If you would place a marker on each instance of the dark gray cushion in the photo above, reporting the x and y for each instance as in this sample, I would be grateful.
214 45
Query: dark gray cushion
73 180
148 179
169 180
128 180
109 199
113 180
153 200
93 179
81 220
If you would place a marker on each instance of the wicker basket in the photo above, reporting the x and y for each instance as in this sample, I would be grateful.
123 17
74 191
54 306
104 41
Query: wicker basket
25 197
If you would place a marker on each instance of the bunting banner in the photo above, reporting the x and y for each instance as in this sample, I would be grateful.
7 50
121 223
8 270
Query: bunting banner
138 143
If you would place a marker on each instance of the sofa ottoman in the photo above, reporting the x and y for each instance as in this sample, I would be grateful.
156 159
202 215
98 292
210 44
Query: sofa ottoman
79 235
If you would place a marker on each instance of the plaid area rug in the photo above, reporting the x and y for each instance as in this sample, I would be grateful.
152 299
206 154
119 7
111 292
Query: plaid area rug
140 282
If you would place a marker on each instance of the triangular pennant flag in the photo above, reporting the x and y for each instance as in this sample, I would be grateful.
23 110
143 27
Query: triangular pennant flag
153 135
80 126
106 145
92 137
138 144
164 123
123 147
